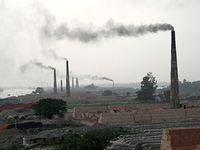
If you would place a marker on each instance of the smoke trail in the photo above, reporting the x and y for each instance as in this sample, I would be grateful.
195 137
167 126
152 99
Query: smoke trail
24 67
39 64
91 77
109 30
53 53
104 78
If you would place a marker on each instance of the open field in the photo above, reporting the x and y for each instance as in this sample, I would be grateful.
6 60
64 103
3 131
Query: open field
72 105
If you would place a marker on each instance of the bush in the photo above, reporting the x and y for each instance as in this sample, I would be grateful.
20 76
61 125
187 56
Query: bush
49 107
107 93
92 140
10 147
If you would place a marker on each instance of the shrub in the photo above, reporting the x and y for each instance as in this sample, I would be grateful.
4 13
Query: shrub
92 140
107 93
10 147
49 107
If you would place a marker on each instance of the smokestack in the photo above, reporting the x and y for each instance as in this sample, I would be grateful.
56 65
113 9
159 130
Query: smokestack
67 80
174 91
77 86
61 86
55 86
72 82
113 84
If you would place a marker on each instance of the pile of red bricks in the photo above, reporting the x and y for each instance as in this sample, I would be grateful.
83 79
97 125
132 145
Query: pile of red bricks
2 127
16 106
180 138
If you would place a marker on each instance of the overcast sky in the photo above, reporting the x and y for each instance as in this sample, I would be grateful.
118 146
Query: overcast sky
86 33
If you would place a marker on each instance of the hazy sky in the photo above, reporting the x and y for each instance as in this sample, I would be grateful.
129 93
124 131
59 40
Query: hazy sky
94 35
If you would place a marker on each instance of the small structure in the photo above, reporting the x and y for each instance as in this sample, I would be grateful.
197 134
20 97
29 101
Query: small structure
157 99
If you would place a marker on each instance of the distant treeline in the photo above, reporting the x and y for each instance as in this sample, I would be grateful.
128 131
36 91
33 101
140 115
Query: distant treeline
189 86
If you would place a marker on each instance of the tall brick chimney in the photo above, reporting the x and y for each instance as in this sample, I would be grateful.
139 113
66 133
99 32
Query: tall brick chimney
72 82
55 85
67 80
77 86
61 86
174 91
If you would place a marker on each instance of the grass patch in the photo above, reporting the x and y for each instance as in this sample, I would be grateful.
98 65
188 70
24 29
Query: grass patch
11 147
72 105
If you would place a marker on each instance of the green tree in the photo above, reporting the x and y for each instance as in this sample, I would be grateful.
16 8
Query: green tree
128 94
167 95
148 88
107 93
91 140
49 107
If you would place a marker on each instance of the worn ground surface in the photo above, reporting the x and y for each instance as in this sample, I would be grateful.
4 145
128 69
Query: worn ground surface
150 133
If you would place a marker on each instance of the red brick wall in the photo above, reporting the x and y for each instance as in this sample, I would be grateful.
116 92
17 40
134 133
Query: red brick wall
180 138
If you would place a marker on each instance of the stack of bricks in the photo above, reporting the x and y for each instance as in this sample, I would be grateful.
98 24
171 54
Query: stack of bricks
180 138
192 114
116 118
168 115
2 127
142 116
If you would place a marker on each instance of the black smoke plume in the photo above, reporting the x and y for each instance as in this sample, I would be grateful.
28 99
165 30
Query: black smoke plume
39 64
24 67
109 30
53 53
91 77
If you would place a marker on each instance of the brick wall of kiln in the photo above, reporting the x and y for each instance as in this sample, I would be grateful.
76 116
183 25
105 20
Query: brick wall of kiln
79 110
180 138
168 115
192 114
142 116
116 118
150 116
